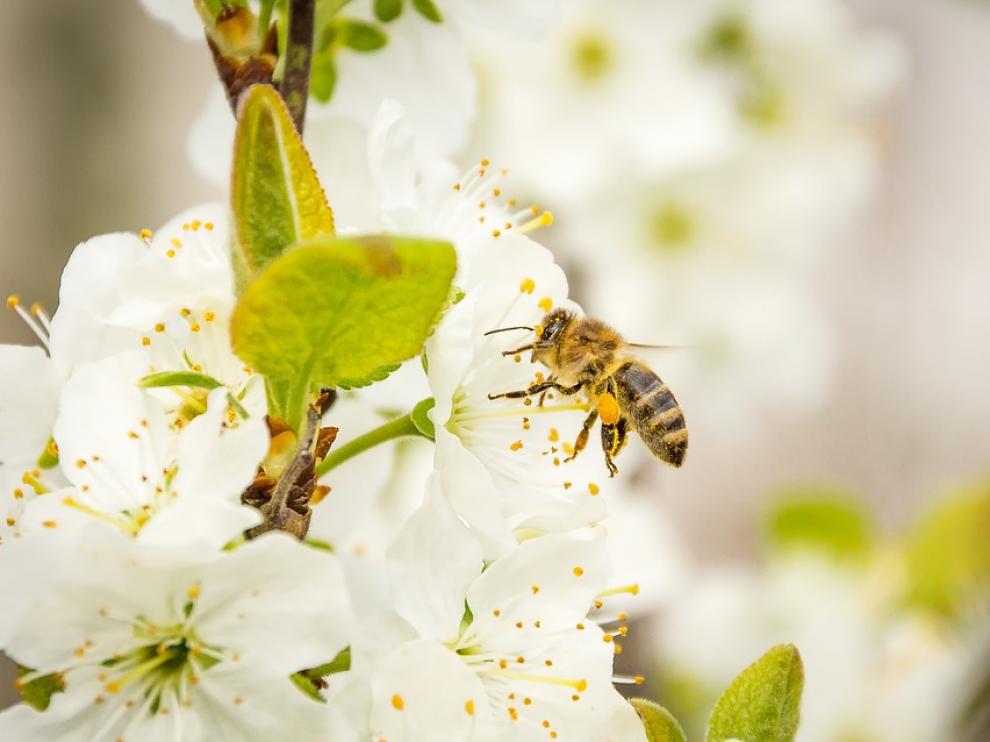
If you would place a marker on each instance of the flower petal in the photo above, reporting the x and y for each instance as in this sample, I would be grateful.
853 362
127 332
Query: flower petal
429 586
424 693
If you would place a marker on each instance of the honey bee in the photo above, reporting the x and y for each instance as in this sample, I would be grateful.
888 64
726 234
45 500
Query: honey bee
585 354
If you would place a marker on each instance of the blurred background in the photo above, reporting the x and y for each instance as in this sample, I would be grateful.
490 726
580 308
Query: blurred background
830 278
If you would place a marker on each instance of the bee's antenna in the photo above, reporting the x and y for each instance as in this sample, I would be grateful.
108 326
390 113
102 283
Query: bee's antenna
506 329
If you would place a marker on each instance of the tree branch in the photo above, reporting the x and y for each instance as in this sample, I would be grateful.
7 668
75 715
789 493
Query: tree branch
298 59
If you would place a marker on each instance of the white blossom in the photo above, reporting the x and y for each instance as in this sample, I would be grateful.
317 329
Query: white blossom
507 652
152 642
128 470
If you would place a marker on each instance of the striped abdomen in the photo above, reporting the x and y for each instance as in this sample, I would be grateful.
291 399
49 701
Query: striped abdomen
654 412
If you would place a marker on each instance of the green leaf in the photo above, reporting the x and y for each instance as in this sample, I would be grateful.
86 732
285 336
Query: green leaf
48 458
361 36
276 197
179 378
948 553
340 313
429 10
387 10
317 543
340 663
38 693
307 686
323 76
421 418
763 703
659 724
819 519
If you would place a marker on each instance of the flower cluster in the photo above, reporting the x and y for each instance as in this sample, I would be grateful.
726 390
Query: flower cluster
472 597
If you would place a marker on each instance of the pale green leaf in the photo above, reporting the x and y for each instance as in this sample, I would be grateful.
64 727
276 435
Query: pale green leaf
362 37
323 75
763 703
387 10
38 692
340 663
819 519
178 378
429 10
341 312
307 686
948 553
276 197
658 723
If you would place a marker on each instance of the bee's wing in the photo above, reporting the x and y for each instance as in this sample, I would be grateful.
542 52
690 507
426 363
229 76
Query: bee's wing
647 346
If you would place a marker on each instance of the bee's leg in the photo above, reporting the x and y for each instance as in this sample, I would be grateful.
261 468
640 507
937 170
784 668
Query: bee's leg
582 439
536 389
613 439
543 394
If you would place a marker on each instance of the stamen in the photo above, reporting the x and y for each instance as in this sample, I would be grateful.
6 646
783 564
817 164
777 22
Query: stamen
30 478
579 685
131 526
543 220
629 679
140 671
40 329
631 589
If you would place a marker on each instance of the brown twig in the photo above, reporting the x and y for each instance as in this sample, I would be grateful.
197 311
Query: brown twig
298 59
285 503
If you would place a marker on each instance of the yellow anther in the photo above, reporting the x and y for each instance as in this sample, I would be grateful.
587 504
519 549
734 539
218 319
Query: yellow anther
469 707
397 703
193 592
209 316
527 286
208 226
160 327
546 304
146 341
578 571
516 446
13 301
145 234
593 488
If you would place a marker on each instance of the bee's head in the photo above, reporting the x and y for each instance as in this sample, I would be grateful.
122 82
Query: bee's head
551 328
548 332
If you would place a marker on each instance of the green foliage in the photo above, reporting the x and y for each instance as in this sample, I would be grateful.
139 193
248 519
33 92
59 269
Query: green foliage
340 313
429 10
387 10
310 681
179 378
659 724
276 197
307 686
340 663
334 33
819 519
362 37
38 692
763 703
48 458
323 75
948 554
420 417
